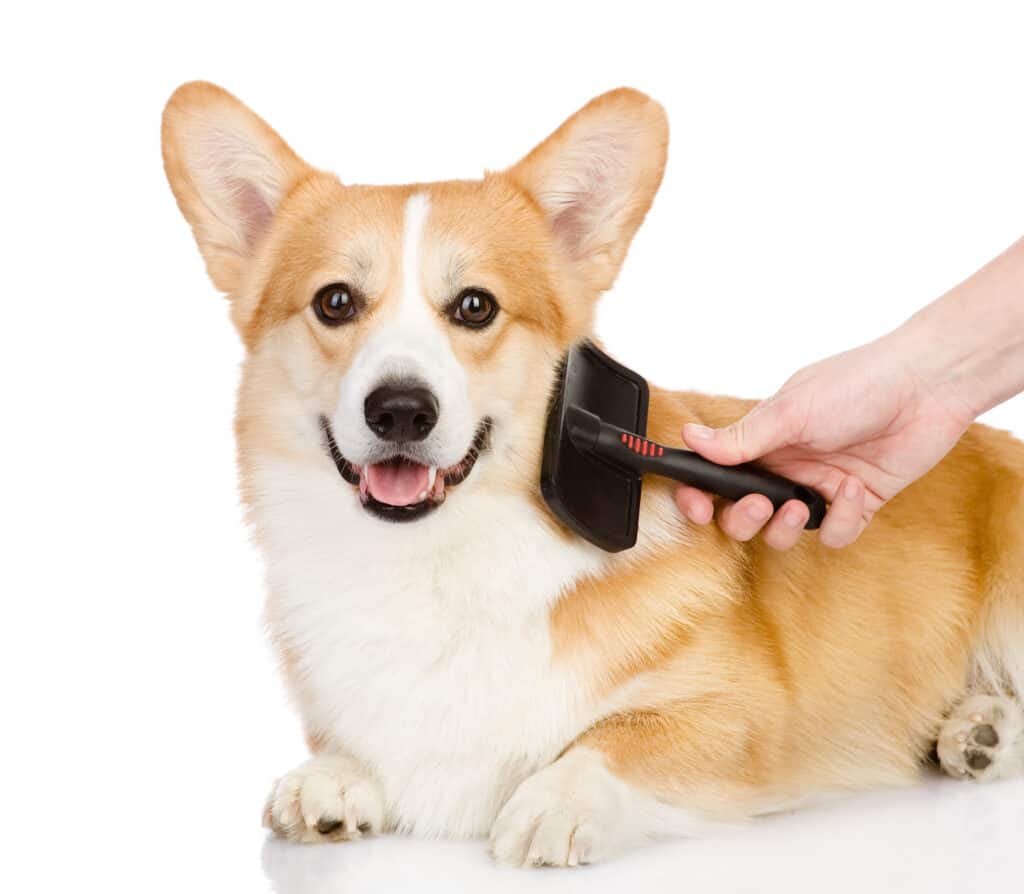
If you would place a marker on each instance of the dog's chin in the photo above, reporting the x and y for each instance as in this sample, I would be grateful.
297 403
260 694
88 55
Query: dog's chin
401 488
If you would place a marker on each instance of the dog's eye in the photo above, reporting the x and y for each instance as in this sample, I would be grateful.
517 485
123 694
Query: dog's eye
334 304
475 308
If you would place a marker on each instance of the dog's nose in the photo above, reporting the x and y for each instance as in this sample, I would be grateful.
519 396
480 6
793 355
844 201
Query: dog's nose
401 412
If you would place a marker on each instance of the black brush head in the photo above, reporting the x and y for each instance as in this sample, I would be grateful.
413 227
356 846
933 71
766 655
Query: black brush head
597 500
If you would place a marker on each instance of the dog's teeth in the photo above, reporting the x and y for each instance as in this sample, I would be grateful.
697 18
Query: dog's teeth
431 477
423 496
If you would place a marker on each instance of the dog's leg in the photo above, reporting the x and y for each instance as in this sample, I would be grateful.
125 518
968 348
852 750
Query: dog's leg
578 811
328 798
983 739
630 779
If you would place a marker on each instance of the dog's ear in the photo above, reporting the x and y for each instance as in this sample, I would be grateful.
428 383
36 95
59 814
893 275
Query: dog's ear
595 178
229 171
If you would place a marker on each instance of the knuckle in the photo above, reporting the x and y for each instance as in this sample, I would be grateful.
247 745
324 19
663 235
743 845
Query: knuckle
742 531
775 540
740 435
731 525
835 538
779 539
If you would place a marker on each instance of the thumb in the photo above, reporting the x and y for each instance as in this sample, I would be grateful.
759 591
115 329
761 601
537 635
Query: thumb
761 431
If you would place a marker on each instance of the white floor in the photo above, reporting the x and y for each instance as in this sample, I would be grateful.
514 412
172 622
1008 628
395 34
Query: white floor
943 836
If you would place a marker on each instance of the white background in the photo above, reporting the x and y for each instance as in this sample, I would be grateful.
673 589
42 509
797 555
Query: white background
832 169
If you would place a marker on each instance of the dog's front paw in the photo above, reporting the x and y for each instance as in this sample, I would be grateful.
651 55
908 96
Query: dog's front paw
328 798
983 739
570 813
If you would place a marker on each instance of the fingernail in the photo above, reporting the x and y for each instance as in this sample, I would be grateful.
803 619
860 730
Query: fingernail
698 432
793 518
851 490
758 512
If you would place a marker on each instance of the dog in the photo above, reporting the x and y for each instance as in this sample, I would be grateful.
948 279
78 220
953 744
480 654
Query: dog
465 666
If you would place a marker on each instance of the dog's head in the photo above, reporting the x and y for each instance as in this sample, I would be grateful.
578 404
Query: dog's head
409 334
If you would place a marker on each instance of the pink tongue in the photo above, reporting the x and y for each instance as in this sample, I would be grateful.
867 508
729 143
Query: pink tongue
397 484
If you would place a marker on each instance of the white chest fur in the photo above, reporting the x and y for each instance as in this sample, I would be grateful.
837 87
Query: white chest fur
424 649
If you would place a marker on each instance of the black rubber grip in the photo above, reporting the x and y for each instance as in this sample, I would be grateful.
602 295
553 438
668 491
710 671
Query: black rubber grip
642 456
735 482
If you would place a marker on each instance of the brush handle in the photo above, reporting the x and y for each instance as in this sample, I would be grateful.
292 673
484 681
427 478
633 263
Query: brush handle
642 456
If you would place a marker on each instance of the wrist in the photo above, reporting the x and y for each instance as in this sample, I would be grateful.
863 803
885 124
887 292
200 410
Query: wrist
941 366
968 346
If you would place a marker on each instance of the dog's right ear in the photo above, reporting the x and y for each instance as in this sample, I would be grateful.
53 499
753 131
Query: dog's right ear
229 172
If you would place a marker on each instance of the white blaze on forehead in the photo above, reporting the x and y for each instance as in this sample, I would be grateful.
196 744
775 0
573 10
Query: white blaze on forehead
416 210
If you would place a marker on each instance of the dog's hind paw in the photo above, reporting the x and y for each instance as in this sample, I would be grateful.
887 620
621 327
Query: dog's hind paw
328 798
983 739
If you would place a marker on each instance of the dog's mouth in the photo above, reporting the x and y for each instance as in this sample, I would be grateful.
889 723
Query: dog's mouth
401 488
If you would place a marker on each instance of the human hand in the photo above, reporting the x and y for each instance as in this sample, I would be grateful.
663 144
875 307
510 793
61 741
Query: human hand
858 428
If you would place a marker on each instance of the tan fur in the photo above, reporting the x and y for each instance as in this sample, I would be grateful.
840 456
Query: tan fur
749 678
771 675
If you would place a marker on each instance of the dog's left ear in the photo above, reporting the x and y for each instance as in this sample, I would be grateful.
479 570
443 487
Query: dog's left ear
595 178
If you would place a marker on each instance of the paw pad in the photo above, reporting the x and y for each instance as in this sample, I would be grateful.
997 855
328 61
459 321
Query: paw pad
977 745
978 760
976 742
986 735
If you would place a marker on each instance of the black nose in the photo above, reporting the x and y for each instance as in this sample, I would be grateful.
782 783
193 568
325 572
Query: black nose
401 413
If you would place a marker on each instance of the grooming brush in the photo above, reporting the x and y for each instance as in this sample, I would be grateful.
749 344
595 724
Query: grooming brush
596 454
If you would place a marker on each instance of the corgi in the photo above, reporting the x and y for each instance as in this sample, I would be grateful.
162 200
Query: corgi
462 664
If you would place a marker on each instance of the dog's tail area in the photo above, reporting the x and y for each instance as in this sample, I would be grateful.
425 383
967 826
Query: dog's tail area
999 656
999 653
